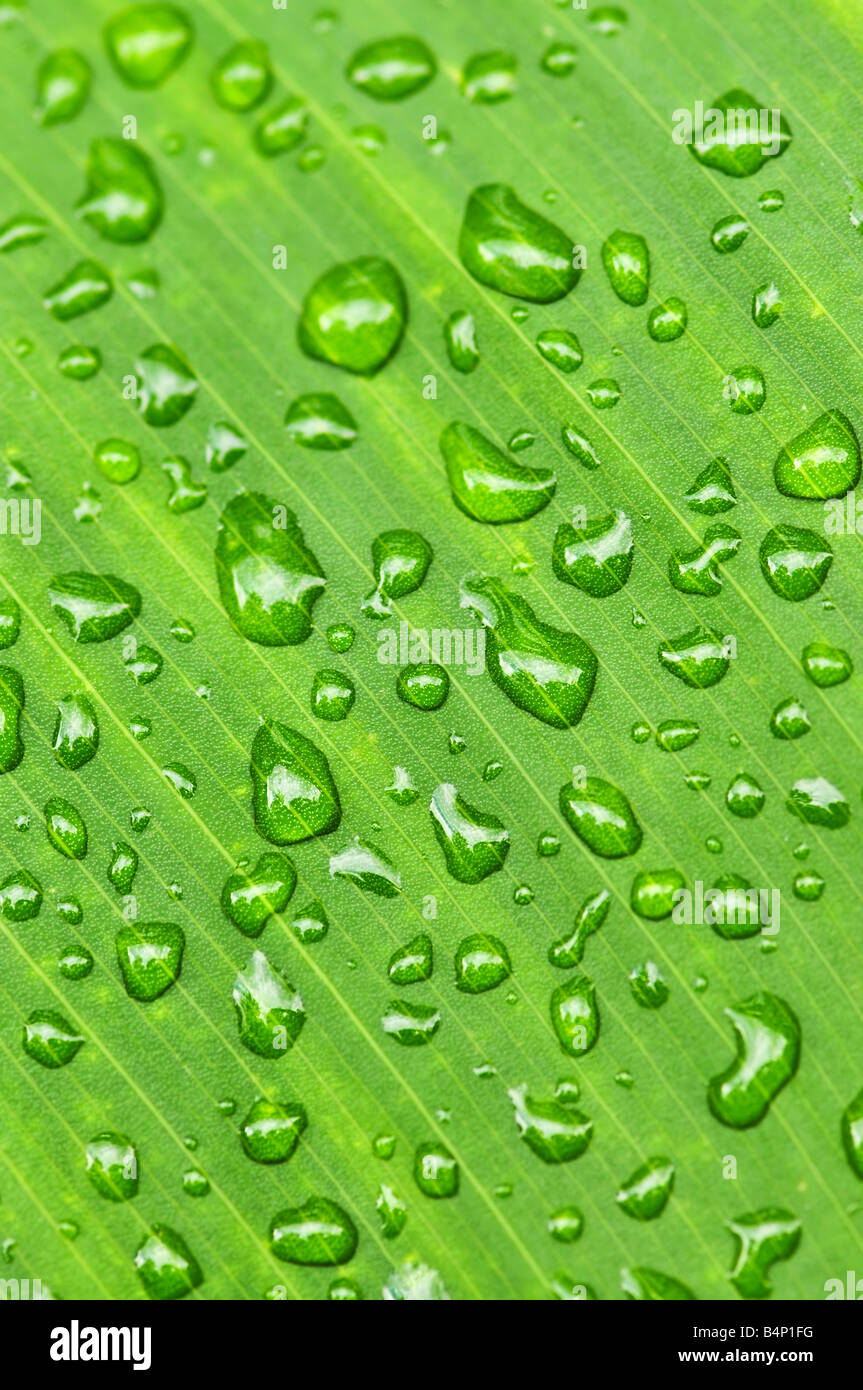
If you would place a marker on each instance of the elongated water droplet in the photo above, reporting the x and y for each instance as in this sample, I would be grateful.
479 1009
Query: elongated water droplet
11 709
392 1211
111 1164
243 77
270 1013
436 1171
225 446
354 315
481 963
645 1194
768 1050
459 334
94 607
22 230
852 1133
559 59
367 867
50 1039
269 579
76 732
165 384
391 69
150 955
795 561
271 1131
474 843
581 448
321 422
766 305
547 672
506 245
165 1264
85 287
62 86
648 987
251 896
652 1285
739 141
65 827
282 128
676 734
696 571
596 557
568 950
762 1237
561 348
486 484
555 1132
626 262
185 494
293 792
146 43
822 461
411 1025
123 200
319 1232
601 817
713 489
489 78
123 867
575 1016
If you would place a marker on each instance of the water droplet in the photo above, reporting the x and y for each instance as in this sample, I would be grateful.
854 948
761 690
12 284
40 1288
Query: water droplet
250 897
745 390
608 20
745 797
340 637
790 720
75 962
794 561
645 1194
118 460
320 422
565 1225
474 843
79 362
737 144
772 200
123 867
762 1237
165 385
696 571
486 484
400 562
371 139
713 489
411 1025
667 322
822 461
150 955
650 1285
146 43
402 789
653 893
294 795
852 1133
818 802
391 69
111 1164
354 315
283 128
22 230
766 305
561 348
269 579
20 896
50 1039
145 665
604 394
436 1171
481 963
574 1015
333 695
626 262
568 950
411 962
392 1211
601 817
826 665
559 59
311 923
271 1131
165 1264
123 200
384 1146
85 287
544 670
808 887
368 868
580 448
76 732
489 78
648 987
225 446
555 1132
698 658
270 1012
243 77
729 233
596 557
506 245
65 828
460 341
768 1048
185 494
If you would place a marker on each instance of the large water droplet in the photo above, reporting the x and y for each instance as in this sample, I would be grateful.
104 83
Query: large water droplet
271 1131
146 43
696 571
270 1012
411 1025
269 579
506 245
698 658
575 1016
94 607
320 421
795 561
391 69
818 802
481 963
294 795
251 896
822 461
735 140
596 557
475 843
768 1050
601 817
123 200
166 385
50 1039
165 1264
555 1132
354 315
626 262
486 484
150 955
243 77
111 1164
762 1237
645 1194
400 562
